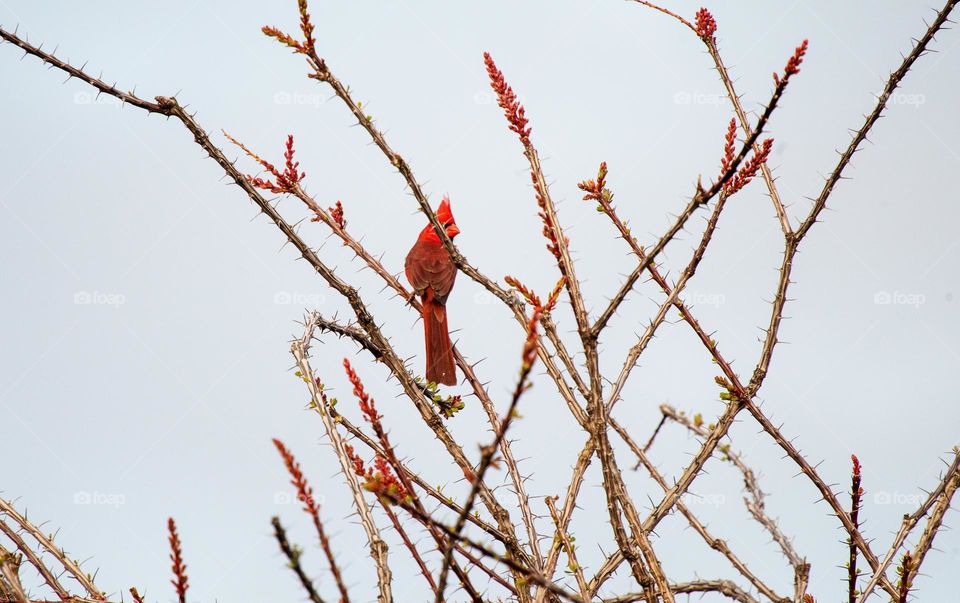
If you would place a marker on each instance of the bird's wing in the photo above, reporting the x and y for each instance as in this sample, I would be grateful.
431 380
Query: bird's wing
430 266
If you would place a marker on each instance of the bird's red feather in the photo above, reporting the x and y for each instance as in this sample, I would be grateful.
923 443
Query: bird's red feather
432 273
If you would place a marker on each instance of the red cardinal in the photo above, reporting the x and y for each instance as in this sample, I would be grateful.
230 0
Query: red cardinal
431 272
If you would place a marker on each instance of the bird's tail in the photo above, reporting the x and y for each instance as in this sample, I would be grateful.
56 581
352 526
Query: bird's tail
440 365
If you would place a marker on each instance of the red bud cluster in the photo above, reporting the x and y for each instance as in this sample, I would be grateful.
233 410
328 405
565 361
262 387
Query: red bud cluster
383 482
555 294
336 212
533 299
297 479
729 147
749 169
280 36
793 65
856 491
355 460
706 24
286 180
507 100
595 188
179 568
367 405
306 26
378 479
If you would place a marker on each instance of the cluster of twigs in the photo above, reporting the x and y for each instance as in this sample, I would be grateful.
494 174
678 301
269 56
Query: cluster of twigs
480 539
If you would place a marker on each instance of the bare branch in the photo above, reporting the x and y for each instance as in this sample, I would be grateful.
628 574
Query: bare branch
378 548
919 48
941 497
723 587
292 553
572 563
71 566
486 459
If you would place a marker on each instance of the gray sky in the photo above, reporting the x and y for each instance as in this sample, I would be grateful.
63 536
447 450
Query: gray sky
159 397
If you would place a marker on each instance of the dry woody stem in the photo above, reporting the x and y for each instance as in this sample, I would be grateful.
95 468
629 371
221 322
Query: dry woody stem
484 542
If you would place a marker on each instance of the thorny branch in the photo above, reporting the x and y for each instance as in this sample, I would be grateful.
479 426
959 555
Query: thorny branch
939 500
400 490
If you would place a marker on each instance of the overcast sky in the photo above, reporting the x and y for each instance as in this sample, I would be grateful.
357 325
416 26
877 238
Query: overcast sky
147 309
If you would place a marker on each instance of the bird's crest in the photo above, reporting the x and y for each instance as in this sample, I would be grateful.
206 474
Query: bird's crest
444 214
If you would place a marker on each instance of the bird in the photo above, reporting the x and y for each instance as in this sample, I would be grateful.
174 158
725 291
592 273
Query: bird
431 273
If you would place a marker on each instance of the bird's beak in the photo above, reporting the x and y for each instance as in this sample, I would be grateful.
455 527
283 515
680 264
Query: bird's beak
452 231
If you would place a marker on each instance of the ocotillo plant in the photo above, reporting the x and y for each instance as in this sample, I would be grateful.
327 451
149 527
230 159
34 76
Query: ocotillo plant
506 544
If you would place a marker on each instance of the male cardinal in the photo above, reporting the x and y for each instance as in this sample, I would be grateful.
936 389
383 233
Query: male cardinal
431 272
